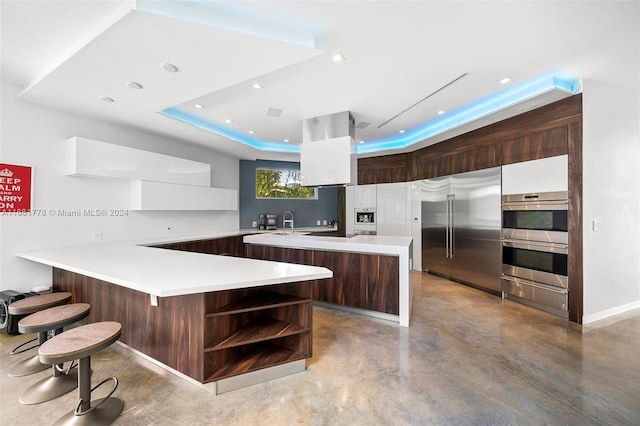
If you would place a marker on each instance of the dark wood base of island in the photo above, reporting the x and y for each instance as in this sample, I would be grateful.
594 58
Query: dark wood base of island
205 336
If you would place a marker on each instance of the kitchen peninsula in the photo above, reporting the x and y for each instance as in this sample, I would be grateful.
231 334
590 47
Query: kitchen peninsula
209 317
371 272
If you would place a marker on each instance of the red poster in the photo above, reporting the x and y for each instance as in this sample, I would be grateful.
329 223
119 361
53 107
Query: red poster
15 188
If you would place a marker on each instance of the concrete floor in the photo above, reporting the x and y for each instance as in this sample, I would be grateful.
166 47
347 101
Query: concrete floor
468 358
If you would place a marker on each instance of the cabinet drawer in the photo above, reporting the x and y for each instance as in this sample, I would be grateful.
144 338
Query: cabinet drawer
539 294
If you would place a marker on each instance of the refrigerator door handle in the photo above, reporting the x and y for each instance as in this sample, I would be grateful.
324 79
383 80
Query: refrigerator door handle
453 226
447 206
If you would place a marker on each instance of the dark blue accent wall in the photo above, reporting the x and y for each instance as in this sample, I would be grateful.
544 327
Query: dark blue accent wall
305 212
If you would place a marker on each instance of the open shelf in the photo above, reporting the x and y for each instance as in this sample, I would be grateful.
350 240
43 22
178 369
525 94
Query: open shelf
259 330
258 300
250 329
260 356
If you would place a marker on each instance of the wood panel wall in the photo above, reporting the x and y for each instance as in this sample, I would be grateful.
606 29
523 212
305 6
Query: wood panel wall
151 330
548 131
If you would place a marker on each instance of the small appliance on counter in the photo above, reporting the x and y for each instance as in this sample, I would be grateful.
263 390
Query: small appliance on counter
267 221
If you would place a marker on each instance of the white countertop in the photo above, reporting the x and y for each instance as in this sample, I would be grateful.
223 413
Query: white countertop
163 273
376 244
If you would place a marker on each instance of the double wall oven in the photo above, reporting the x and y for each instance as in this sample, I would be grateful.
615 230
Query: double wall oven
535 250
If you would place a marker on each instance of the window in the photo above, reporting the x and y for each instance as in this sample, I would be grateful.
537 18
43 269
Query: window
278 183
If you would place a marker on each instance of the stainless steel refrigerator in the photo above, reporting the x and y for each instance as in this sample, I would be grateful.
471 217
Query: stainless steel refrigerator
461 221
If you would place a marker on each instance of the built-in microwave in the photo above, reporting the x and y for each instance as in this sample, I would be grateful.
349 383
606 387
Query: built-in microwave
365 216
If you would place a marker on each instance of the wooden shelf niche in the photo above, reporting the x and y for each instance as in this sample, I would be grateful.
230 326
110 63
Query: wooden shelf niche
249 329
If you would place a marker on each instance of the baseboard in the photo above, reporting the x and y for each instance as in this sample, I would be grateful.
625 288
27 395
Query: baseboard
586 319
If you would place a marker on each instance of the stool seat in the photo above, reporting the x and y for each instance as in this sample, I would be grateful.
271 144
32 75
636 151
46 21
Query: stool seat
60 382
33 304
53 318
28 306
79 342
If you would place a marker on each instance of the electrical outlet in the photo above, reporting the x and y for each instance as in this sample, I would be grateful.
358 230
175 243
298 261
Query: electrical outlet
168 230
97 234
324 222
318 222
255 224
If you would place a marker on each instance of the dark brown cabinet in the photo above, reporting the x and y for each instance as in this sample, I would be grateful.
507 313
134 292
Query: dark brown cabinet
226 246
365 281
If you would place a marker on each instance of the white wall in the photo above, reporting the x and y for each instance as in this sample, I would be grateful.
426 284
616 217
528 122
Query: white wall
34 136
611 174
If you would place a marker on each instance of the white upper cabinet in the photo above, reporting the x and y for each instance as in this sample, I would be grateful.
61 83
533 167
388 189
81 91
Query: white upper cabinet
544 175
147 195
365 196
158 182
91 158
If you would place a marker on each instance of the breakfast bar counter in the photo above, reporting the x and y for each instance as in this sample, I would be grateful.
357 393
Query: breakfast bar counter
210 318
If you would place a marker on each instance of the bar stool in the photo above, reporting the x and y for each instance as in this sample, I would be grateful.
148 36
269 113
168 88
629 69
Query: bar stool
60 382
29 306
80 343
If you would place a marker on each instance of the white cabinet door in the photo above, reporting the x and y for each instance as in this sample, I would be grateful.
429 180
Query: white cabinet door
91 158
394 208
544 175
349 207
365 196
147 195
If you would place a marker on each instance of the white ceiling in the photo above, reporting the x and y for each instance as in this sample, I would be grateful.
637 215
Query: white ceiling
67 53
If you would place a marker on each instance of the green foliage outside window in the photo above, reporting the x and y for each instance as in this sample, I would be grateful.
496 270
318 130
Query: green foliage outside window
272 183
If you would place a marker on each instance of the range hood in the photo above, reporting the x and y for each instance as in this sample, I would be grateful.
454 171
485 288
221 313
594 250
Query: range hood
328 150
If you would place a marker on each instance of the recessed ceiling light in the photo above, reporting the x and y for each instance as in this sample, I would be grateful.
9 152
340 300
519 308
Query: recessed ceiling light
252 132
286 140
401 131
441 112
361 142
505 80
338 57
256 85
133 84
106 99
168 67
199 106
228 120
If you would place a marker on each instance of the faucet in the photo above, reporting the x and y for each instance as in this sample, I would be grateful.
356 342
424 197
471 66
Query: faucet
286 221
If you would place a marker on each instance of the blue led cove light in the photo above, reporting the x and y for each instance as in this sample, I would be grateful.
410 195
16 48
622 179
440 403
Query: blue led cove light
489 105
210 126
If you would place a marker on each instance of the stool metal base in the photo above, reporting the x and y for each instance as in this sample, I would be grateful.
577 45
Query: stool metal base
28 366
106 414
50 388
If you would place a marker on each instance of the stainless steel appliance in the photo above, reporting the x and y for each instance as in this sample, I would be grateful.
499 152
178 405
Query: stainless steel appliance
9 322
535 250
364 221
536 217
365 216
267 221
461 227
